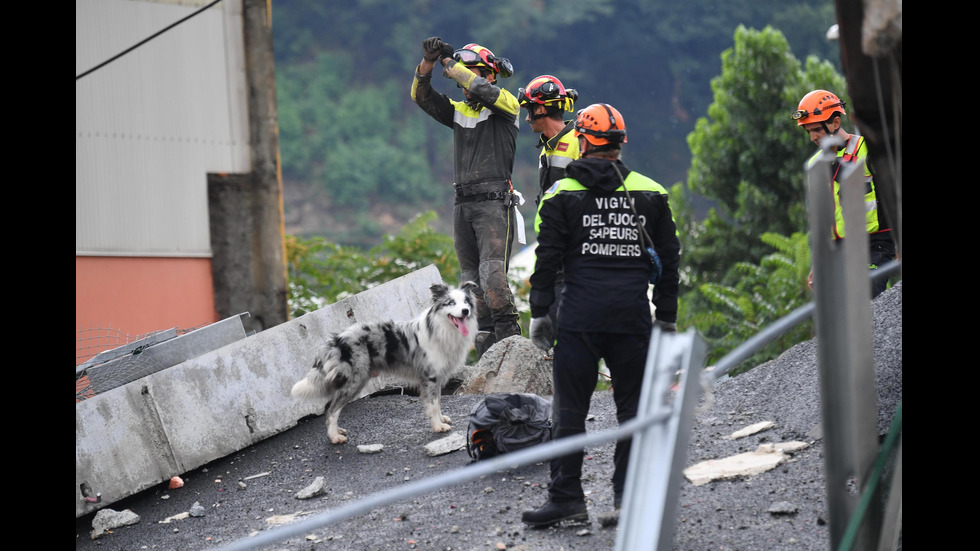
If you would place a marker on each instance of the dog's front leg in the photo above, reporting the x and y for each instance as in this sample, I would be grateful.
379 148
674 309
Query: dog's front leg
430 403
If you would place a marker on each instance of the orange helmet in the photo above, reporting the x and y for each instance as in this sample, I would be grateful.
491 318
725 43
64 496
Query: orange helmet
474 55
818 106
548 91
601 124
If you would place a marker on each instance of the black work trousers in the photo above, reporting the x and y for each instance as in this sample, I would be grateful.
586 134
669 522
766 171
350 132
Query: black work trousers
576 372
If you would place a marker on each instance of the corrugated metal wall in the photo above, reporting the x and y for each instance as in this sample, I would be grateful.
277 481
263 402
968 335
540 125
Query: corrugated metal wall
151 125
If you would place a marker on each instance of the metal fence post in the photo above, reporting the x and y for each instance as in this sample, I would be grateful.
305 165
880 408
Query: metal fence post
659 451
844 347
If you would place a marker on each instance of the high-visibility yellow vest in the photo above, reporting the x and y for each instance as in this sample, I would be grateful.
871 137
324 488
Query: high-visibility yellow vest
854 150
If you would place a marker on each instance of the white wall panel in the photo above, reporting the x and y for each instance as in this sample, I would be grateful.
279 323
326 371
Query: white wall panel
150 125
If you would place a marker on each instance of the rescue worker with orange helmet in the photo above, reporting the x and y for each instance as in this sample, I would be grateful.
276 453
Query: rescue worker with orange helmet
485 215
613 232
820 114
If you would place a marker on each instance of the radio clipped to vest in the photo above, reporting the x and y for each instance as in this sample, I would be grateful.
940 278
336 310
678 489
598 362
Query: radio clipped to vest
645 241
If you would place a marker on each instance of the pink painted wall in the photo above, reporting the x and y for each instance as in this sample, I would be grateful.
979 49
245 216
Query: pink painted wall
140 295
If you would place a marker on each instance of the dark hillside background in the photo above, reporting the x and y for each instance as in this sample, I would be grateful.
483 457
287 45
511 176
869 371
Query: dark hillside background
360 159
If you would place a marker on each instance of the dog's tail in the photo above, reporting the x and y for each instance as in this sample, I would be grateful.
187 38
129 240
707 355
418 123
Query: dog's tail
304 389
317 379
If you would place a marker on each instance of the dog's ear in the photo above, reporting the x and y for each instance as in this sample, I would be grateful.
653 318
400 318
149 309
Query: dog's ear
439 290
469 286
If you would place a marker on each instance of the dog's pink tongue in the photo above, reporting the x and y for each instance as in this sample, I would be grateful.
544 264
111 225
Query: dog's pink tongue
461 325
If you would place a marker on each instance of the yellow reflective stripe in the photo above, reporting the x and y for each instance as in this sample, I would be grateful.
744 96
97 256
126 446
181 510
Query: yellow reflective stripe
466 116
559 161
639 182
634 181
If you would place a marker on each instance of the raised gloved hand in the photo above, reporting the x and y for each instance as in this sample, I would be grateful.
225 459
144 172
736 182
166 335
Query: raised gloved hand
665 326
432 48
542 333
447 51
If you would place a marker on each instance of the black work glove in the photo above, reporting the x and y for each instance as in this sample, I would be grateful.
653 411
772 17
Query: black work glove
447 51
542 333
432 48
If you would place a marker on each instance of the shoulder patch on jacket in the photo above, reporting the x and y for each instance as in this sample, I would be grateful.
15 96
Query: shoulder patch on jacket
553 188
563 146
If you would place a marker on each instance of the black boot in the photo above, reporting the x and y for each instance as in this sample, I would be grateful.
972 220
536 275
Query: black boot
612 518
552 513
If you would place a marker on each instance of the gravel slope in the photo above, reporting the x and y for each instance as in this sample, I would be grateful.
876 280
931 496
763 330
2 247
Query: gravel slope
254 490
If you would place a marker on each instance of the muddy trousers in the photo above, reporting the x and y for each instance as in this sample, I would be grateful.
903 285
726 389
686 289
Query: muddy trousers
483 233
576 372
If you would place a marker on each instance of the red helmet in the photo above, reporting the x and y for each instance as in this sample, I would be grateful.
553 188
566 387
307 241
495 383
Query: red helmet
548 91
474 55
818 106
600 124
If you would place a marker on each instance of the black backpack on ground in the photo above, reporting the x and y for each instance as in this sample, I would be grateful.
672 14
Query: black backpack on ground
502 423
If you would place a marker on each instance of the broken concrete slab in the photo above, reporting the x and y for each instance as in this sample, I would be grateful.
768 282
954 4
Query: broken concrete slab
764 458
751 429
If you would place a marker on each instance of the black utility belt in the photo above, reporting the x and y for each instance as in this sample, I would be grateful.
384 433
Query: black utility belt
482 191
492 196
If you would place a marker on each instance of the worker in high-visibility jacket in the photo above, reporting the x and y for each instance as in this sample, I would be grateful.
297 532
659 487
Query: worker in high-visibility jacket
820 114
612 230
547 101
485 214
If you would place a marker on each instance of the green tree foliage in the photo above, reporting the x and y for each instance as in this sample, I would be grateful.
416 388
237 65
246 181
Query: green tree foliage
322 273
761 295
358 148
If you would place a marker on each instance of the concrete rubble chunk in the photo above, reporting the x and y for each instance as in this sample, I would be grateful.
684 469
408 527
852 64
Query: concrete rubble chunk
316 488
107 519
764 458
751 429
370 448
785 447
451 443
511 365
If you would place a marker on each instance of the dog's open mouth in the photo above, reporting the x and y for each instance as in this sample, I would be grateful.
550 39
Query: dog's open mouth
460 324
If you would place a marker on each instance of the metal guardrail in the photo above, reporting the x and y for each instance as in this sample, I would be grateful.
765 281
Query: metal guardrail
845 351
